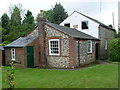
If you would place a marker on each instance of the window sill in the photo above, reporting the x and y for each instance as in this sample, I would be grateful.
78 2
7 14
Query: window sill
12 59
15 61
89 52
53 55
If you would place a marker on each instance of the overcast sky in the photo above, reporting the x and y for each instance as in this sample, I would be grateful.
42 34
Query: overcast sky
98 9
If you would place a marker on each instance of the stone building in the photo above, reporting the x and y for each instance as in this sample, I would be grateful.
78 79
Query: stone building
54 46
90 26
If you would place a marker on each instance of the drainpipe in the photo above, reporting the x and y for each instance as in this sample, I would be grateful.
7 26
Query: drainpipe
79 53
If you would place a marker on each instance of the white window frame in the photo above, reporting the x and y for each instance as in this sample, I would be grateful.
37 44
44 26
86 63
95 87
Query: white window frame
88 24
89 46
50 46
13 53
106 44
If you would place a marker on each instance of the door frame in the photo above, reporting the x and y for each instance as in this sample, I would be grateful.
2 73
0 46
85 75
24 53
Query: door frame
97 49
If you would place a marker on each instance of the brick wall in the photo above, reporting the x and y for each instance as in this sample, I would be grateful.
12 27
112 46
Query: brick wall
20 54
72 53
0 57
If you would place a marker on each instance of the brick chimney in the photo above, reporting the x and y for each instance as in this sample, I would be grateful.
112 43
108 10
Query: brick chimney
41 33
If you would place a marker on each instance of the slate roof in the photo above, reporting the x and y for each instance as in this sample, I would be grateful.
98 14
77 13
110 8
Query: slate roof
72 32
100 23
24 41
21 42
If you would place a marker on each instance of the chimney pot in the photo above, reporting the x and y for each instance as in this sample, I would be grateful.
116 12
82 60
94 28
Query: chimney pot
41 13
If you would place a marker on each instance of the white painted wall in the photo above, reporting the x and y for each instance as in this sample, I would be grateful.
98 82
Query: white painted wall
76 19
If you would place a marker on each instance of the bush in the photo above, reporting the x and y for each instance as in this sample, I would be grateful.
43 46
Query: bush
115 49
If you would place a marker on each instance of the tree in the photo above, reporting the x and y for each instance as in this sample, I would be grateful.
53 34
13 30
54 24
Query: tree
15 16
16 27
28 22
115 49
28 19
55 15
5 21
58 14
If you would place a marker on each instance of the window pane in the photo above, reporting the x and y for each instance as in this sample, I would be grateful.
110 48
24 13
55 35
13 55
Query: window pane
89 46
54 46
85 25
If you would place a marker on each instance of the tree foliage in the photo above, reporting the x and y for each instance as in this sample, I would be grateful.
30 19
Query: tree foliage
5 24
56 14
14 27
115 49
28 22
5 21
16 17
28 19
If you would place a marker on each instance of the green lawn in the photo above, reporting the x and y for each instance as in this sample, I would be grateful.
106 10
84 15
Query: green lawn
0 78
98 76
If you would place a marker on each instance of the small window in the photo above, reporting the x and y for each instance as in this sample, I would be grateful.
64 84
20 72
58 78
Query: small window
67 24
106 44
54 48
84 24
89 48
13 53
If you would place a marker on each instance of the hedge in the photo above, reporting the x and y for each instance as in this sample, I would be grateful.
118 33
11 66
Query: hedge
115 49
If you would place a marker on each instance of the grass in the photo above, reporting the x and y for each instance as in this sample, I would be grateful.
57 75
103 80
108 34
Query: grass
98 76
0 78
112 62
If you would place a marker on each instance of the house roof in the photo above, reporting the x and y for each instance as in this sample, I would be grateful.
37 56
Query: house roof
21 42
100 23
72 32
24 41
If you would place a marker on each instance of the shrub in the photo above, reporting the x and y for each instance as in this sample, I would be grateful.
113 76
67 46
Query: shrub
10 75
115 49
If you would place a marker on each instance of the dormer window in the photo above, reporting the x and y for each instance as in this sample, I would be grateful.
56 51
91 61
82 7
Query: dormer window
67 25
84 24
